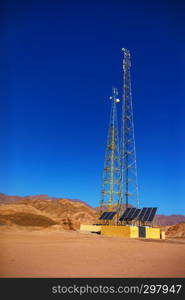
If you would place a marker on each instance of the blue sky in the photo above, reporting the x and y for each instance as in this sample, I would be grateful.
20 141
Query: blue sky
58 64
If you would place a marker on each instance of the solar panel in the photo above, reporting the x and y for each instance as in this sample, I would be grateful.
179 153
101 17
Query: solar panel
125 214
130 214
152 214
105 217
135 214
146 215
100 218
111 215
142 213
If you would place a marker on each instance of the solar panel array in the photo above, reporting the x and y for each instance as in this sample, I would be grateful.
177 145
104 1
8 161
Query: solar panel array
107 215
145 215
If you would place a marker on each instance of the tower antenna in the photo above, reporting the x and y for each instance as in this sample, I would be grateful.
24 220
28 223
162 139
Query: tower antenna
111 185
129 193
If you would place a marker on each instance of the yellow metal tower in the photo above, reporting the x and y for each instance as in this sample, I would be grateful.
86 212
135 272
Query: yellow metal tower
111 185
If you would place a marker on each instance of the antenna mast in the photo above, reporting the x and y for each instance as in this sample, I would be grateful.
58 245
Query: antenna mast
111 185
128 152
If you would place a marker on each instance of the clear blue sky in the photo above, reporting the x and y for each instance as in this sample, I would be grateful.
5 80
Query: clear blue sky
59 60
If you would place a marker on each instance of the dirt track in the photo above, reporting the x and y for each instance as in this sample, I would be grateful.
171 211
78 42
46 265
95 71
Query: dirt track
74 254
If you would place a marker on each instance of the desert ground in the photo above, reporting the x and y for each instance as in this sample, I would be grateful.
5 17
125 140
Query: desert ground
59 253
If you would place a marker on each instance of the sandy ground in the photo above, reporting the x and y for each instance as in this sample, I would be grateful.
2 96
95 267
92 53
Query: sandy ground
75 254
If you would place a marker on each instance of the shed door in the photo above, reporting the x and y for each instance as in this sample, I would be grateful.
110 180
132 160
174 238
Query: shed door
142 232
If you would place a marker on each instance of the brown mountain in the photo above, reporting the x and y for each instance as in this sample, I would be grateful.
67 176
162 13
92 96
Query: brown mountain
4 199
163 220
42 211
68 213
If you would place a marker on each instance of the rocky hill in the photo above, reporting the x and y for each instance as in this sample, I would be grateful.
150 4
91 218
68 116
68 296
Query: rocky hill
44 212
177 231
68 213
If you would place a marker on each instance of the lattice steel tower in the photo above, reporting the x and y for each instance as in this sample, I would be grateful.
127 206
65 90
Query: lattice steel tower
111 185
128 152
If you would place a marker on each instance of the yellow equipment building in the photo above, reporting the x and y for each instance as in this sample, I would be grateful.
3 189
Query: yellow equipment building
125 231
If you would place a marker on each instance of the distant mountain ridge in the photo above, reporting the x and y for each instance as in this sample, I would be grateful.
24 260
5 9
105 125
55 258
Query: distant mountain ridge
163 220
10 199
72 211
45 211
